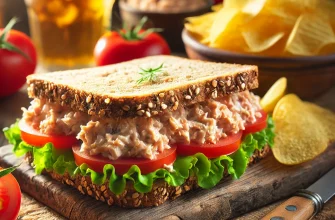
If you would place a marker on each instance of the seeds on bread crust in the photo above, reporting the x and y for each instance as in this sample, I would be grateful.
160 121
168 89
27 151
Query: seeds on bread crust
107 100
130 198
146 105
140 112
214 83
214 94
126 108
150 105
88 98
63 97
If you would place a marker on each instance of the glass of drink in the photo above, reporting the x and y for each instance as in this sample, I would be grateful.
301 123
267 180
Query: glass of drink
66 31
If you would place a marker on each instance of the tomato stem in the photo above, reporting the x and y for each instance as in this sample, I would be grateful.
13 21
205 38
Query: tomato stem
6 171
8 46
135 33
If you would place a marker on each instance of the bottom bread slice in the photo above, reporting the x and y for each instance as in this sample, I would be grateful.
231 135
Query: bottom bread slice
130 198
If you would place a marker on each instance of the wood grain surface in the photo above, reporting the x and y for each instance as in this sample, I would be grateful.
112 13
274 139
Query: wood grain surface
263 183
254 197
33 210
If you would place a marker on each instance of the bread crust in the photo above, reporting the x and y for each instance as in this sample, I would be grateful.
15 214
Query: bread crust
237 78
130 198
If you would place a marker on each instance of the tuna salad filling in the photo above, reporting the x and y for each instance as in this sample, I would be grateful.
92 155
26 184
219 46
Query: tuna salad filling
141 137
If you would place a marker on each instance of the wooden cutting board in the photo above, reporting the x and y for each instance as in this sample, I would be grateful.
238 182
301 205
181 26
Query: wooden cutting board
263 183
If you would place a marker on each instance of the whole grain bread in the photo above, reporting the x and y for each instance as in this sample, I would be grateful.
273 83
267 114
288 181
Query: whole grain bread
160 192
113 91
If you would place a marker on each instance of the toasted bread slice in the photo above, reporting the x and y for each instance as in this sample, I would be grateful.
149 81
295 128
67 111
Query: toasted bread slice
160 192
113 91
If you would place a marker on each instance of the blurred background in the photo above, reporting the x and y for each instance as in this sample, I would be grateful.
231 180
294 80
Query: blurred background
12 8
291 38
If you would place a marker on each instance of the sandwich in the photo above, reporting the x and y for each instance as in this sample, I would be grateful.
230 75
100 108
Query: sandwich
138 133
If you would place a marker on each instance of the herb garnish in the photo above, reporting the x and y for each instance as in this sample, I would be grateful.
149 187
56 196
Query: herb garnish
149 75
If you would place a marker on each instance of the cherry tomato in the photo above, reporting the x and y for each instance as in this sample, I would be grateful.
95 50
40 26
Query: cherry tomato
113 48
10 197
259 125
128 44
224 146
37 139
15 67
122 165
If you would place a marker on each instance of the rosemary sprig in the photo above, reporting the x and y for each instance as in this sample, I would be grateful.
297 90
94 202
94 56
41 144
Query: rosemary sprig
149 75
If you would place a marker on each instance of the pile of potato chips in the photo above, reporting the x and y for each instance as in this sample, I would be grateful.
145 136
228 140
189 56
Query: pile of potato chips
303 130
268 27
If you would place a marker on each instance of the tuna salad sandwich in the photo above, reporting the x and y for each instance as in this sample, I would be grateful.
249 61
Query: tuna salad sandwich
138 133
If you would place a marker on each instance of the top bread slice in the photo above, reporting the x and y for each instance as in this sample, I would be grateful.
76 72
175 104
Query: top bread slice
113 91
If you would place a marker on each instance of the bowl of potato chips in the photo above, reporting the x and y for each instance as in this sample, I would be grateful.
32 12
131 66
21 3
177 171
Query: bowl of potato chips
295 39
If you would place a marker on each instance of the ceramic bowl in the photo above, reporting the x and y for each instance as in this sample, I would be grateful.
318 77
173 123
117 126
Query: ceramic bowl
308 77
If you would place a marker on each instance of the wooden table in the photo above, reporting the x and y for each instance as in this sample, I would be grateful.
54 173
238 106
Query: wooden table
31 209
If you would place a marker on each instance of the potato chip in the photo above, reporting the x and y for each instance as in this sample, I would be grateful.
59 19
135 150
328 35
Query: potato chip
235 13
199 28
258 42
326 117
224 32
238 4
221 21
326 8
270 28
208 17
253 7
259 37
310 33
231 41
274 94
283 16
327 49
303 130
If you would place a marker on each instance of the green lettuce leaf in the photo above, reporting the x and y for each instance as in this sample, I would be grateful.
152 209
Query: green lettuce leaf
208 172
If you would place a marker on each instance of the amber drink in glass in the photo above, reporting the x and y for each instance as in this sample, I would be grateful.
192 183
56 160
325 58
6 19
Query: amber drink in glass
66 31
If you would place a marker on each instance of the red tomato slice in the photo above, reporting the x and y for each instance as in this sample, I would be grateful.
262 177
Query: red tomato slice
122 165
37 139
224 146
259 125
10 197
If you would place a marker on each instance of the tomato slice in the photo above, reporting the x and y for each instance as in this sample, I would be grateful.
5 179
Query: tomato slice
259 125
38 139
10 197
122 165
224 146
